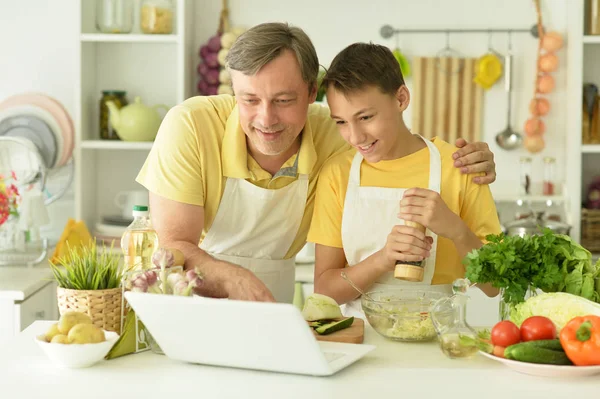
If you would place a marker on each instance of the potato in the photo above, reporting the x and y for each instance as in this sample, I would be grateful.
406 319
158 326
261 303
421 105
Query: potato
52 332
60 339
69 319
179 259
86 334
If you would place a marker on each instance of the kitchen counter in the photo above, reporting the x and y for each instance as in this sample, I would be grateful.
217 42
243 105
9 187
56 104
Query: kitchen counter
393 369
18 282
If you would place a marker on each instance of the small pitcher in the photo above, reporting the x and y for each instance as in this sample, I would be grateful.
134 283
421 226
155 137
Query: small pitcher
457 339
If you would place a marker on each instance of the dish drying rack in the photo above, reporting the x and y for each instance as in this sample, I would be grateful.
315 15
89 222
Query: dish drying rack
20 240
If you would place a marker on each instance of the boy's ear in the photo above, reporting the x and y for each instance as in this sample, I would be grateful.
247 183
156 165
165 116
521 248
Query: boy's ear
403 97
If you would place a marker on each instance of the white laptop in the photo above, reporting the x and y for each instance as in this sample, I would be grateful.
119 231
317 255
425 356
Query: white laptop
241 334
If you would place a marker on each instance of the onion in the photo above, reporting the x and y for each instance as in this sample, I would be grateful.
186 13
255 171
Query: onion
548 62
534 127
545 84
539 106
222 56
225 89
552 41
211 76
204 51
224 76
534 144
212 60
228 39
214 43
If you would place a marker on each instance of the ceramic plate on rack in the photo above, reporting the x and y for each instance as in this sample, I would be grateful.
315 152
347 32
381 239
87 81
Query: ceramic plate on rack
34 129
56 109
546 370
45 116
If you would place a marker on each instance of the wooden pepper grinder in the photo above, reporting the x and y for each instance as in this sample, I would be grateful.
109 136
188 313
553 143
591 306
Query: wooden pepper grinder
411 271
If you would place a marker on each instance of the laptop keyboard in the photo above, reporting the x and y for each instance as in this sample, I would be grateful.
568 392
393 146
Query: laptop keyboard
332 356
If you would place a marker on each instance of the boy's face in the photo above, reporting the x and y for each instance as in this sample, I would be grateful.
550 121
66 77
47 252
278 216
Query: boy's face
273 104
369 120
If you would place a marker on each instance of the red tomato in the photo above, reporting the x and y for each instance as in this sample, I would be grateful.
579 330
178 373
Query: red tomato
505 333
538 327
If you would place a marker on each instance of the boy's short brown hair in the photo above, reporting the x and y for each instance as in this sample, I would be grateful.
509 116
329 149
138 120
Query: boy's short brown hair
364 64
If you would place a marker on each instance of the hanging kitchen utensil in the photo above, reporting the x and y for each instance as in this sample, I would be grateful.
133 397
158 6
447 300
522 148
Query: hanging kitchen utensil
508 139
402 60
445 105
449 53
489 67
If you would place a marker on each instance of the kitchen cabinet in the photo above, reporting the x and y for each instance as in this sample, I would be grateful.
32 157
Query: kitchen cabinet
27 294
157 67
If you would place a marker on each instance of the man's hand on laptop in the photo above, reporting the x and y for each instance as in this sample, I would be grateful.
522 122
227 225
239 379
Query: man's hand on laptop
244 285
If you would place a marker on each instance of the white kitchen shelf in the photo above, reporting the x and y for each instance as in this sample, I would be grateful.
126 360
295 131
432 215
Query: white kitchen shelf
590 148
128 38
157 68
591 39
116 145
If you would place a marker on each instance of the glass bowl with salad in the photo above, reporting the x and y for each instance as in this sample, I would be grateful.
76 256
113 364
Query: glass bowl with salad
401 314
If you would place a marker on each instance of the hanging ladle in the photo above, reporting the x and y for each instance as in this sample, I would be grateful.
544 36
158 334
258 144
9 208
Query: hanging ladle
508 139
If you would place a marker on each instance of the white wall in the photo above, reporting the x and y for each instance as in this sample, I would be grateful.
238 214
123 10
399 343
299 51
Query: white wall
38 53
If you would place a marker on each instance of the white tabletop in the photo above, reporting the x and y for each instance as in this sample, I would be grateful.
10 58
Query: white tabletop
393 370
18 282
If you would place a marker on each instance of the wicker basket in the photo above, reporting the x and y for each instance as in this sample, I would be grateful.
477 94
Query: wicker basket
590 229
103 306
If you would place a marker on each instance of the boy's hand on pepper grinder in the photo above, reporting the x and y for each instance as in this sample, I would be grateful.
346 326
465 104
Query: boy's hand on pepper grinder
429 209
404 243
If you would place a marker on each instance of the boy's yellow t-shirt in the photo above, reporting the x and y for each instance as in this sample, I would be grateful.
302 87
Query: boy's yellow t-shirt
472 202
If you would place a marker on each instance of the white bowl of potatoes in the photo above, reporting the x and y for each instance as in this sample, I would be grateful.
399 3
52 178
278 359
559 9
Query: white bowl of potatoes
75 342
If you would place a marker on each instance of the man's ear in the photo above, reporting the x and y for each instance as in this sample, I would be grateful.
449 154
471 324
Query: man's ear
403 97
312 94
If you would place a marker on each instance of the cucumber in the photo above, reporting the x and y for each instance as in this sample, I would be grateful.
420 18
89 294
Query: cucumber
334 326
532 352
553 344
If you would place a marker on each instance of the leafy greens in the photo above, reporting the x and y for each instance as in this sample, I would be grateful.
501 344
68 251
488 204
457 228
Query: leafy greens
549 262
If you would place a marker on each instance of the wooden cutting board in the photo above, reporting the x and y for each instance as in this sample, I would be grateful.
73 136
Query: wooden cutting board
354 334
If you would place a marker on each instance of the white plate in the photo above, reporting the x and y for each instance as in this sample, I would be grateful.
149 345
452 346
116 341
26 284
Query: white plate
45 116
546 370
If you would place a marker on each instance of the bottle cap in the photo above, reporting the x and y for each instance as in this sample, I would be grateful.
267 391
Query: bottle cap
409 273
140 210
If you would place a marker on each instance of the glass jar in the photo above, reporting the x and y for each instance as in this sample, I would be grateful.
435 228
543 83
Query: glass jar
107 132
549 178
593 27
156 16
114 16
525 180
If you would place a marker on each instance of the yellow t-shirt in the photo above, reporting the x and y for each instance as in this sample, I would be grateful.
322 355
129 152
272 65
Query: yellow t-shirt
474 203
200 143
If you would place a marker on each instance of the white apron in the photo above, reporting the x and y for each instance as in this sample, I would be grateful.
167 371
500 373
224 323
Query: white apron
255 227
369 215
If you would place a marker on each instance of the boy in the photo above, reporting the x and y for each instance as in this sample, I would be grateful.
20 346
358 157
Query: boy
390 174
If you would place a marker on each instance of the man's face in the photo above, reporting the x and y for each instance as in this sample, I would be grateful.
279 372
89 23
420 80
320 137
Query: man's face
369 120
273 104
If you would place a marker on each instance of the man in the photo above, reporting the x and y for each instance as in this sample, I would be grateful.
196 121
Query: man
232 179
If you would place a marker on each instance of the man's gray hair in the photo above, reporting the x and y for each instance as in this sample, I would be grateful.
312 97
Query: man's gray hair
261 44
